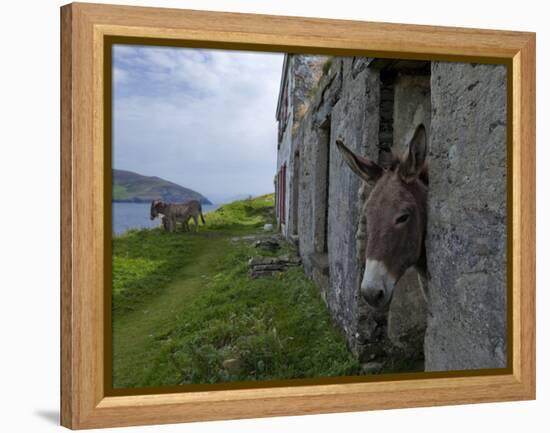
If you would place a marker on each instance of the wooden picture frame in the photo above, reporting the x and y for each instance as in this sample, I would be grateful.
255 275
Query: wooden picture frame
84 29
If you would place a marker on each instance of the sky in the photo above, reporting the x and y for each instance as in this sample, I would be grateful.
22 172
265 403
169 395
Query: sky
204 119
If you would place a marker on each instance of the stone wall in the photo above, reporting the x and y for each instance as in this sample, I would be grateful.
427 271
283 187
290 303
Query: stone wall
353 122
464 108
346 106
329 207
302 76
412 107
466 240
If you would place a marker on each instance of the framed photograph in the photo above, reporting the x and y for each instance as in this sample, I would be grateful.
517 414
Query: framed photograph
266 215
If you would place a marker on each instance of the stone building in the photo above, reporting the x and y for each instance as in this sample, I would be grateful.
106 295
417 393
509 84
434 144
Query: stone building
301 75
374 105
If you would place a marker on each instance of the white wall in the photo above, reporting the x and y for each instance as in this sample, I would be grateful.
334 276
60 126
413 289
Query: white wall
29 170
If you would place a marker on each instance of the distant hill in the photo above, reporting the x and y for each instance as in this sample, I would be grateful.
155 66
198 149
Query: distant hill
136 188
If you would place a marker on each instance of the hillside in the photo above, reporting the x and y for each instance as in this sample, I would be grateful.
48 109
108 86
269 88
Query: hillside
132 187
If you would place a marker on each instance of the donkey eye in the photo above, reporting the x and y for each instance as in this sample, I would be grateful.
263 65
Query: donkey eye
402 218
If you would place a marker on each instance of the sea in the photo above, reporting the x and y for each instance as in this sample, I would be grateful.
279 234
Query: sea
128 216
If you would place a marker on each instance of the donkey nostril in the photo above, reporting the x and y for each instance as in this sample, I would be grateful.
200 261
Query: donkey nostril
374 297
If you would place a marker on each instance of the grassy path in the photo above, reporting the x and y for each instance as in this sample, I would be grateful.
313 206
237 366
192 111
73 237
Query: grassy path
183 304
136 334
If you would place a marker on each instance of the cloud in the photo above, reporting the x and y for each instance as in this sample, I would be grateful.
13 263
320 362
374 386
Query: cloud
202 118
120 76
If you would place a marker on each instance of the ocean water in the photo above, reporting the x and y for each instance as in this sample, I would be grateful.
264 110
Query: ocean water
128 216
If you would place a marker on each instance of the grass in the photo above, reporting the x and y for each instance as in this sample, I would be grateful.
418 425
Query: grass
243 214
183 304
120 192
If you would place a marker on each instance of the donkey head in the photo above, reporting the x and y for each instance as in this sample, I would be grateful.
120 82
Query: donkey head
396 217
157 207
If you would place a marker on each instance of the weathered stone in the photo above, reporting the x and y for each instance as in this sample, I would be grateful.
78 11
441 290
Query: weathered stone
279 260
249 238
466 239
372 107
354 121
330 200
271 267
407 314
304 76
412 106
232 365
268 244
265 266
372 367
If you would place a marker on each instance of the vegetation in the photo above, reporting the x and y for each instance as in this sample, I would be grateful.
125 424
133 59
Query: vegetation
326 67
183 304
132 187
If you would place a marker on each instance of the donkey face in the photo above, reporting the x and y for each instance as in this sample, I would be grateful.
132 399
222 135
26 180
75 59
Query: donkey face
157 207
396 217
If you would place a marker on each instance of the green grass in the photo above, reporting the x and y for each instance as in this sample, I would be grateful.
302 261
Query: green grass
243 214
120 192
183 303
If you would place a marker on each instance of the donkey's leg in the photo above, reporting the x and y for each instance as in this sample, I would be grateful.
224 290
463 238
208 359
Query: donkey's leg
196 223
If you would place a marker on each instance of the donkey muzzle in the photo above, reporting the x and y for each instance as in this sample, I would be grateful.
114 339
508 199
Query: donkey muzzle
377 285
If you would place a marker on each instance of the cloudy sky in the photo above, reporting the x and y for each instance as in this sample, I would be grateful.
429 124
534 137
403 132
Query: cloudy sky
204 119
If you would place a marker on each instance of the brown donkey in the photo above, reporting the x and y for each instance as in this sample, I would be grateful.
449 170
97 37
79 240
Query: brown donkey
396 218
173 212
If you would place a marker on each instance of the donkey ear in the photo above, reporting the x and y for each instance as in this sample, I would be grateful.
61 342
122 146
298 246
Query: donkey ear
366 169
414 164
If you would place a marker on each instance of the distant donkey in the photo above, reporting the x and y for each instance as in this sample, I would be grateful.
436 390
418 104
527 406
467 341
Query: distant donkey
170 213
396 218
